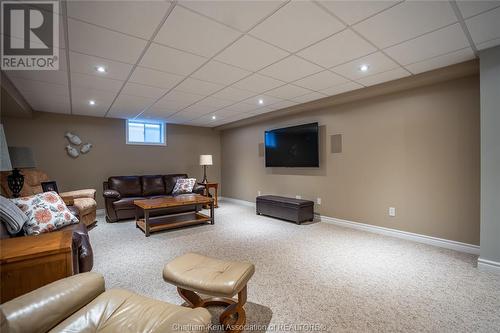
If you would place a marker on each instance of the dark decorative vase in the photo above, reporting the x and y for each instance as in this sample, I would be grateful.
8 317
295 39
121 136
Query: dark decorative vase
16 182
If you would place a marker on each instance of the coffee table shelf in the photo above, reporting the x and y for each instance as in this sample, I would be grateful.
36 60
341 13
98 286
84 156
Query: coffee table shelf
163 221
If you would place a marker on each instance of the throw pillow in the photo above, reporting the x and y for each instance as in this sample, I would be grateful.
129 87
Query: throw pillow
46 212
183 186
11 216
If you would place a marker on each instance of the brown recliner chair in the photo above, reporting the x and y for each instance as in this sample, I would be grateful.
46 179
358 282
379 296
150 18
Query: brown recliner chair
80 303
82 200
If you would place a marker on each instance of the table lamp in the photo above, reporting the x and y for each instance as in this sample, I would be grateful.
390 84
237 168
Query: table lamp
21 158
205 160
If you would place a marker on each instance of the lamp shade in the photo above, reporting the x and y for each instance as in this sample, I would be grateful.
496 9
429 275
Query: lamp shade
21 157
5 164
205 159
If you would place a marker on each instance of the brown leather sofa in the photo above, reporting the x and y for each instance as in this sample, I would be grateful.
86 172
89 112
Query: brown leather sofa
80 303
120 192
83 256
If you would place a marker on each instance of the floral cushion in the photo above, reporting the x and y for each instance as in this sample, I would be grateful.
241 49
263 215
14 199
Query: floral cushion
183 186
46 212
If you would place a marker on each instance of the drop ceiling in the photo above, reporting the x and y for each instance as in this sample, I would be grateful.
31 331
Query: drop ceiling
208 63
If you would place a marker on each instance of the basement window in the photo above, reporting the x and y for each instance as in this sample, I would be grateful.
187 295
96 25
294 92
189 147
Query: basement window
145 133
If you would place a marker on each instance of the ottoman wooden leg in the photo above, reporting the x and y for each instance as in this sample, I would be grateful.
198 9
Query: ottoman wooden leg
233 317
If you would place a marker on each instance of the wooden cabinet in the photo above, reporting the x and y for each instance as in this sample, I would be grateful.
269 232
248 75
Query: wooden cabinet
27 263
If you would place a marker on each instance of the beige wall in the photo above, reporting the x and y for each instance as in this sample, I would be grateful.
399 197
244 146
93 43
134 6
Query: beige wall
416 150
44 133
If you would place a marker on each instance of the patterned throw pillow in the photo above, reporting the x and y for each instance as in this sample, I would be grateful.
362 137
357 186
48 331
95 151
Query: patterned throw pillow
46 212
183 186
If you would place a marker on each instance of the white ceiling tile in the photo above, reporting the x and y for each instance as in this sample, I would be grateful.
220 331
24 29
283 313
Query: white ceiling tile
355 11
291 69
439 42
135 89
288 91
177 100
340 48
214 102
155 78
393 74
158 111
95 82
241 15
92 40
406 20
441 61
341 88
241 107
81 97
309 97
138 18
258 83
58 77
297 25
128 106
484 27
39 87
471 8
266 99
320 80
198 87
47 103
488 44
215 71
82 63
194 33
262 54
171 60
234 94
283 104
377 62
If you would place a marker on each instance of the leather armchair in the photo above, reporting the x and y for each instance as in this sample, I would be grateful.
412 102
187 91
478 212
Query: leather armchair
120 192
80 303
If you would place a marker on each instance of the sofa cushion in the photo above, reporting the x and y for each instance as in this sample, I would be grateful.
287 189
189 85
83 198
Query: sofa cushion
126 203
184 186
170 181
45 211
127 186
152 185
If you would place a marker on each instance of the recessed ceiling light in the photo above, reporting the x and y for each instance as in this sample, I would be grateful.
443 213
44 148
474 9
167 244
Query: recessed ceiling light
261 101
92 102
214 117
363 68
101 69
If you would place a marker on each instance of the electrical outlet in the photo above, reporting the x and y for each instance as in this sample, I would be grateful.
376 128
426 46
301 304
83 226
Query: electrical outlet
318 201
392 211
298 197
259 193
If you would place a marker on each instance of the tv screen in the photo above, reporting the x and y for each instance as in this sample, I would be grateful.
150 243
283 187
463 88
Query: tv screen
295 146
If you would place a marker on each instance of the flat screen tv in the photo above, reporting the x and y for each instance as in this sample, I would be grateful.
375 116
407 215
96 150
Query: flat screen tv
295 146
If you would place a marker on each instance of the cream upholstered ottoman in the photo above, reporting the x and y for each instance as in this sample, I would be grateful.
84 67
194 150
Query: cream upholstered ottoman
194 273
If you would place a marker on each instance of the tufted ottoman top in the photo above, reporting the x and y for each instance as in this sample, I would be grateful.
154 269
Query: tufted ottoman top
207 275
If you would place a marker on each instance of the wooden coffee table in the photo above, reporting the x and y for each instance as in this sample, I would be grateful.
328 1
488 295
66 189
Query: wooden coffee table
159 222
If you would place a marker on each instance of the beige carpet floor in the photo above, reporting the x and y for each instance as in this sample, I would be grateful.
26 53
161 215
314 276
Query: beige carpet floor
320 276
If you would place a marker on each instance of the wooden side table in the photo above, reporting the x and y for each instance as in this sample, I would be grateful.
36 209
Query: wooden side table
30 262
208 186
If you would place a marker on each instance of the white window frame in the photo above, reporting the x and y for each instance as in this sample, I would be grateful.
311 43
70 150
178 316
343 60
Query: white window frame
163 133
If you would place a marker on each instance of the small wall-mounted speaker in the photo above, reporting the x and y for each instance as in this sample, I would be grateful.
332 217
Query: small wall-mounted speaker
261 150
336 143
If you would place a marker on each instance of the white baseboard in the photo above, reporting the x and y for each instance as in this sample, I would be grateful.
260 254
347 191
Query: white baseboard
237 201
100 212
488 265
440 242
